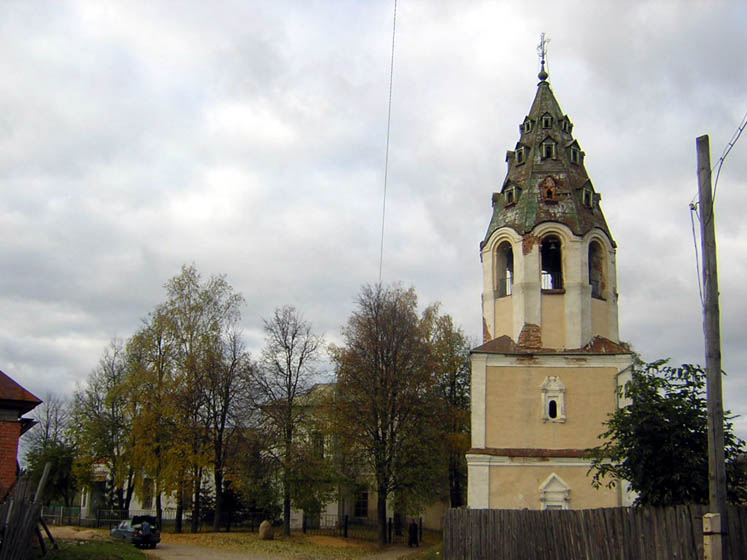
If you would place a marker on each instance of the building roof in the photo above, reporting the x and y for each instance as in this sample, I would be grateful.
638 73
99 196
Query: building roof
528 206
12 395
505 345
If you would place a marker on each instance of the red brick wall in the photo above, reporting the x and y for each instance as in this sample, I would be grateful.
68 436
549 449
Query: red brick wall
9 434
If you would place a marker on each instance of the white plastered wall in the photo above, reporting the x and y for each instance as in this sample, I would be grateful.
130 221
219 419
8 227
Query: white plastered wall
526 295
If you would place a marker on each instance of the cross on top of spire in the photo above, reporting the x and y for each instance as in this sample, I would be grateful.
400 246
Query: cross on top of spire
542 53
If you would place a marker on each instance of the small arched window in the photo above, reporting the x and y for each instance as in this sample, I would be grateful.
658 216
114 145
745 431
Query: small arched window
552 263
553 400
596 270
552 409
504 269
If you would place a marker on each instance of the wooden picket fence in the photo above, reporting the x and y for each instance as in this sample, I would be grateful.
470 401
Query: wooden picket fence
595 534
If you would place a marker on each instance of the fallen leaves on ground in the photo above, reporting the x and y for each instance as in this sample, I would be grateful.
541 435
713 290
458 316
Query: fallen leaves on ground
297 546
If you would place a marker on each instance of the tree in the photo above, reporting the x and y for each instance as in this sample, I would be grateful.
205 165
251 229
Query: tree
226 392
285 373
101 422
49 442
658 443
450 353
385 394
200 316
151 355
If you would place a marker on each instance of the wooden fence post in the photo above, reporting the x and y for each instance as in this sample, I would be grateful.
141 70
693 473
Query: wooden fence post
712 536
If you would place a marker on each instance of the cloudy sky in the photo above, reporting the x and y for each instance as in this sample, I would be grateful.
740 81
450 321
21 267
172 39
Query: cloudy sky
248 138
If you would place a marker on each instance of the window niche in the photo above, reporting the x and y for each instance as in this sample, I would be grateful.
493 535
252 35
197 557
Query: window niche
547 120
552 263
555 493
527 125
504 260
549 189
553 400
596 270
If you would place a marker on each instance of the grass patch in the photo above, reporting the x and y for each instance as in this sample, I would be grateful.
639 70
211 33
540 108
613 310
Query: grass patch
433 552
92 550
300 546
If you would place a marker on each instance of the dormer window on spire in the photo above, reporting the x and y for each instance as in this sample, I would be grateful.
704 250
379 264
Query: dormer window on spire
575 155
526 125
520 154
546 120
588 197
566 125
547 149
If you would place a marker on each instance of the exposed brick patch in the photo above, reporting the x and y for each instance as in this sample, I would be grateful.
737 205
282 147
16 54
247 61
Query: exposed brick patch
598 345
9 434
601 345
531 336
528 242
485 332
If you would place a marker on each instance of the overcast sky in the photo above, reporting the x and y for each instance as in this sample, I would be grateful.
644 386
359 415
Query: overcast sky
248 138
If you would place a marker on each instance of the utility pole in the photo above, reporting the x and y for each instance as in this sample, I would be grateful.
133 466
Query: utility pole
711 320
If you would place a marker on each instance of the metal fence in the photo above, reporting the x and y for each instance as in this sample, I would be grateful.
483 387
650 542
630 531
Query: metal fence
109 518
356 528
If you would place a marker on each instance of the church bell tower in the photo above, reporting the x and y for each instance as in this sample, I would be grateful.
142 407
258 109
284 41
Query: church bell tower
548 258
546 376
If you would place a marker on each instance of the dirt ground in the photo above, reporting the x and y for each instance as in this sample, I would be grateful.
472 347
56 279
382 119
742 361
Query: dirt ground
182 551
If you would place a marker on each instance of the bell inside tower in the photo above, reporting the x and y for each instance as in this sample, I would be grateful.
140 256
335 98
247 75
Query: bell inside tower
552 264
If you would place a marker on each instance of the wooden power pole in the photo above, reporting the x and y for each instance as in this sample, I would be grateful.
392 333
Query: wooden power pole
716 460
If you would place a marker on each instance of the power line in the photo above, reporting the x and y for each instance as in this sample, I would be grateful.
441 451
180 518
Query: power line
720 163
694 204
694 211
386 157
728 148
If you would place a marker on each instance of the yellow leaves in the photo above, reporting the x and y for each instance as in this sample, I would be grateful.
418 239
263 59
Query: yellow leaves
297 546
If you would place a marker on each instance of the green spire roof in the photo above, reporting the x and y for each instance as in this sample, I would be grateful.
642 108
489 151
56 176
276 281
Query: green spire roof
546 179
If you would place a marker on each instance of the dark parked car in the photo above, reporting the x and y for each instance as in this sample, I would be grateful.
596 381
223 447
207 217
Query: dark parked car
141 530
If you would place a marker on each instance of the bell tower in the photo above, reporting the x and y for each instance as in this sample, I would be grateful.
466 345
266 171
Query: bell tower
547 374
548 258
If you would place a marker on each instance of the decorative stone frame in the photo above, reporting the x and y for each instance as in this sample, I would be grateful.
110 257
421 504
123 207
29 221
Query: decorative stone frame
553 400
555 493
521 155
546 120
